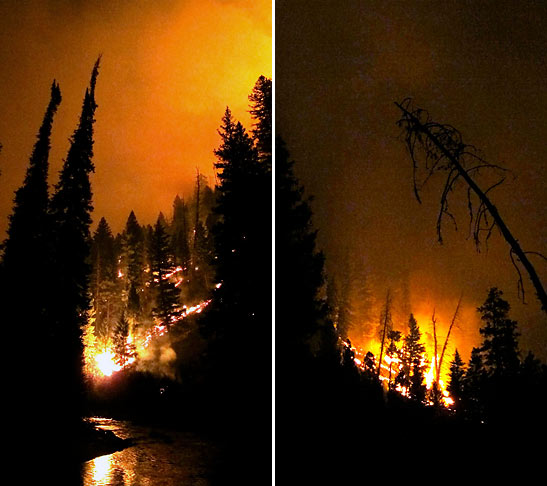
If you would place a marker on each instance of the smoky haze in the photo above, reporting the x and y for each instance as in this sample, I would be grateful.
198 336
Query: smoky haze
169 68
479 66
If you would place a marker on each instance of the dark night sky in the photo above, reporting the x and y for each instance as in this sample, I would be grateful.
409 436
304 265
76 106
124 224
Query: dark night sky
479 66
168 71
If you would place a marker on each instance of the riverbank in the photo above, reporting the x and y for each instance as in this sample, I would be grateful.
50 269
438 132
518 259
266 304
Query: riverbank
97 442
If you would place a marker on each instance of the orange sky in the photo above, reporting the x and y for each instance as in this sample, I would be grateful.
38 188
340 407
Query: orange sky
168 71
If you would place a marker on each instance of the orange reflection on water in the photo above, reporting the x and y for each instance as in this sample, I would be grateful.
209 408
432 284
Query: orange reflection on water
101 467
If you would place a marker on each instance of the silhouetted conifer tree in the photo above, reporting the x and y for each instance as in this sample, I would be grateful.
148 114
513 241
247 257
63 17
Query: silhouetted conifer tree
242 236
24 282
393 353
299 269
167 305
500 353
103 256
202 244
181 248
124 350
106 291
456 381
29 232
500 336
412 352
417 387
474 380
237 323
133 243
261 113
71 208
133 262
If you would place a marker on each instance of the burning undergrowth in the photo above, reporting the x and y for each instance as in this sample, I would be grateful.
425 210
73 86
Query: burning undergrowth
150 350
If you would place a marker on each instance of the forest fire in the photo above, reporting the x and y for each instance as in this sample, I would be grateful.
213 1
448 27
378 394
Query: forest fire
104 361
408 352
392 369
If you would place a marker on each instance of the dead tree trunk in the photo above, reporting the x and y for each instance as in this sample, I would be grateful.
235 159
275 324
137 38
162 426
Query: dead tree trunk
444 150
385 321
436 355
454 318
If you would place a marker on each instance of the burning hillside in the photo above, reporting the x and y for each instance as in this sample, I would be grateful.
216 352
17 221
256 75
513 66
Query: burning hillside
103 358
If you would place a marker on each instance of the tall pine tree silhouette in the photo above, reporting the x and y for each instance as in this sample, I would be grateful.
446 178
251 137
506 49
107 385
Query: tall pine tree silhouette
299 268
237 324
23 269
71 208
243 232
105 289
261 112
133 256
456 383
25 250
166 294
501 358
181 247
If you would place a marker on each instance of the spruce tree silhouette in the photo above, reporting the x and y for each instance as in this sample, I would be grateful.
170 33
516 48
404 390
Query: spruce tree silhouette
167 308
456 380
501 359
24 268
181 247
70 212
237 323
105 288
261 112
27 243
299 269
133 251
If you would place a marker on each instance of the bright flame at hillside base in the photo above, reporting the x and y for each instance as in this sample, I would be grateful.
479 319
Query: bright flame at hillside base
103 361
391 366
363 342
450 332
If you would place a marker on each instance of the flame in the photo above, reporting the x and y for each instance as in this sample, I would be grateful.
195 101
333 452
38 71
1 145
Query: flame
102 361
390 367
106 363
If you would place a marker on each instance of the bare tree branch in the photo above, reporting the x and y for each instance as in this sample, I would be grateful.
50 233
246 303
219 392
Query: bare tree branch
434 147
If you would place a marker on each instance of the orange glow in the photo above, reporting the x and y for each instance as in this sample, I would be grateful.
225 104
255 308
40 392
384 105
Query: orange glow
167 74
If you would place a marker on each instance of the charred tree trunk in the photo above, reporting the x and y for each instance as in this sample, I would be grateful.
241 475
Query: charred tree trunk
447 337
436 355
384 321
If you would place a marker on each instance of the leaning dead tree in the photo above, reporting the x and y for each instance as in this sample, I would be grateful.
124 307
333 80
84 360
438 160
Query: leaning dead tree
434 148
452 322
385 326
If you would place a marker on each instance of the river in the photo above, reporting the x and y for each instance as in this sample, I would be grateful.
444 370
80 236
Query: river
158 456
